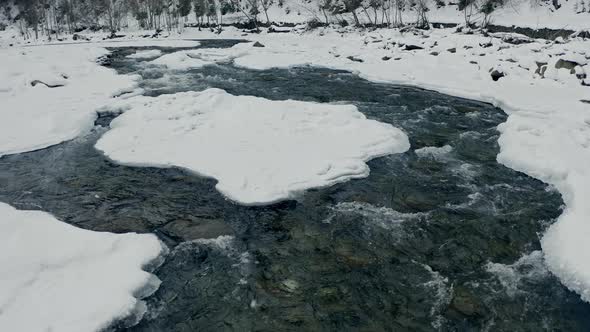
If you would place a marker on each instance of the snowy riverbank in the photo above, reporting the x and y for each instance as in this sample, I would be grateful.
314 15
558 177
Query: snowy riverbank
547 134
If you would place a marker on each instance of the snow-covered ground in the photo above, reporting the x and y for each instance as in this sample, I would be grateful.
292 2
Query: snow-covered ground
56 277
259 150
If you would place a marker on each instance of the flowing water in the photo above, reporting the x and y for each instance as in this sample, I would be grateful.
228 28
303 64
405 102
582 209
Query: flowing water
441 237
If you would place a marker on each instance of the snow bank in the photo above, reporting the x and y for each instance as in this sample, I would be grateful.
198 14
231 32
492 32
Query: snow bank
34 117
56 277
259 150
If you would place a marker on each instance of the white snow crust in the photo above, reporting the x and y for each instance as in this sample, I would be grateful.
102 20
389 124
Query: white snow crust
260 151
35 117
56 277
147 54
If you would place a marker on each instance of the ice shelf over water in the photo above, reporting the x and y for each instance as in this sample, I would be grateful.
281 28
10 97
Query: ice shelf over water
56 277
260 151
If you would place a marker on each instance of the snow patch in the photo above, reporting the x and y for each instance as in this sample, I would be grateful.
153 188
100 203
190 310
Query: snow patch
35 116
191 59
147 54
56 277
260 151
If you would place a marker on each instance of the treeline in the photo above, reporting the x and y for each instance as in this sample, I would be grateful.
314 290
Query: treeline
56 17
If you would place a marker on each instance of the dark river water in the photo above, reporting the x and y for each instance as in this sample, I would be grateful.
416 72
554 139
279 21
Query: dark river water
436 239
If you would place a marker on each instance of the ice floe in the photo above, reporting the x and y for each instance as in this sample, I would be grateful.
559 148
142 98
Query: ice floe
56 277
147 54
49 94
259 150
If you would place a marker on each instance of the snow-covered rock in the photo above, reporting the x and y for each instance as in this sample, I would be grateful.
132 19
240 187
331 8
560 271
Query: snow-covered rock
56 277
259 150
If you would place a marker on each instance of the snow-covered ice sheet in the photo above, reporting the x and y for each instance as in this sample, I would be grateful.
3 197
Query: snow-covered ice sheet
259 150
49 93
34 115
190 59
147 54
56 277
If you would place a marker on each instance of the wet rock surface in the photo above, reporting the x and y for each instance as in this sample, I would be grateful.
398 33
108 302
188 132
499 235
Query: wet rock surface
405 249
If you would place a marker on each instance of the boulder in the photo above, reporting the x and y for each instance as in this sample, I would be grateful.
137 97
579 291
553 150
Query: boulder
452 50
257 44
410 47
496 73
352 58
580 73
567 64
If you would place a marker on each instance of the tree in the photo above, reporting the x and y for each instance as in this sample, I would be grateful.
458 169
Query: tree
265 4
348 6
467 7
421 10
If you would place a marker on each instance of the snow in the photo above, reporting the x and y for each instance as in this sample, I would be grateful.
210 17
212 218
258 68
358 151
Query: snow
56 277
35 117
260 151
191 59
145 54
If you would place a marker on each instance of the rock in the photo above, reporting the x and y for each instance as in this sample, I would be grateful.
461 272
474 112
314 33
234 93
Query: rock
465 303
486 45
35 82
434 53
397 58
473 62
196 228
585 101
452 50
289 285
386 58
352 58
257 44
413 47
580 73
567 64
541 69
496 74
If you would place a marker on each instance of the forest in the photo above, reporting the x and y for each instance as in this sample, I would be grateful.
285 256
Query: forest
56 17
